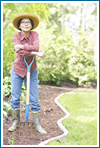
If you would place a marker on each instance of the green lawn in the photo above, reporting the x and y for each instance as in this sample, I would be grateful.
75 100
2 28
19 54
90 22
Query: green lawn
82 122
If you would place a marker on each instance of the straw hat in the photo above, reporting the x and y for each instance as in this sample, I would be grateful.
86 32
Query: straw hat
34 18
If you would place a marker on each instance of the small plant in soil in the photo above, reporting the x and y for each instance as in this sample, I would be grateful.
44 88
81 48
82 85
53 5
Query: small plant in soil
12 140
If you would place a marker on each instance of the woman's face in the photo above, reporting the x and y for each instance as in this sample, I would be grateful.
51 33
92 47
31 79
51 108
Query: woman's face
25 25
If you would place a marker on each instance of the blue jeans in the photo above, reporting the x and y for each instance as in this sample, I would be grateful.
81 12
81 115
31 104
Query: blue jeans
16 87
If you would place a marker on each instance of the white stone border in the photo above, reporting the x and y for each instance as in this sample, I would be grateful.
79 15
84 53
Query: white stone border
62 128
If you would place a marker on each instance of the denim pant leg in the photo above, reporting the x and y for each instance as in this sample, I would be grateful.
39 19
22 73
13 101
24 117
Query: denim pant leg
34 101
16 86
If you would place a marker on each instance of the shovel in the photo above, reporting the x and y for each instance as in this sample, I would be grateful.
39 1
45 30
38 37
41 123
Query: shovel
26 124
28 87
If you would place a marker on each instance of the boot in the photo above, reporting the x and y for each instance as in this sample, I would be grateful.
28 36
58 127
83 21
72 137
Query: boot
15 119
36 121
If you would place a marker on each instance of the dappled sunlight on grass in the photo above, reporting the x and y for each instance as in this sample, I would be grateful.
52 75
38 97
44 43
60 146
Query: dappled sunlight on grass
82 122
85 119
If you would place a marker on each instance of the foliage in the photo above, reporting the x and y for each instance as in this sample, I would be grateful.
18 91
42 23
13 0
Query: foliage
82 121
13 9
23 94
11 141
6 92
8 53
6 86
6 109
7 89
68 58
81 63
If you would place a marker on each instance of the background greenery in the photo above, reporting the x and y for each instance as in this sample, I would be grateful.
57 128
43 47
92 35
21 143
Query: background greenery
67 35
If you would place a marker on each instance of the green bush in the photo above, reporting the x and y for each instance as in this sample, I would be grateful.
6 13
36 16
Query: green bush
23 94
6 93
8 53
6 109
67 59
6 86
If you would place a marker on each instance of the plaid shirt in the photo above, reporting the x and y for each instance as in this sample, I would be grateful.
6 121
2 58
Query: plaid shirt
31 43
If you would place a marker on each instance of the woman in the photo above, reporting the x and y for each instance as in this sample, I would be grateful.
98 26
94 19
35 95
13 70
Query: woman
26 42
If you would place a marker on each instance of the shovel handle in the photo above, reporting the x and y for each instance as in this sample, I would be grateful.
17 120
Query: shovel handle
28 80
28 86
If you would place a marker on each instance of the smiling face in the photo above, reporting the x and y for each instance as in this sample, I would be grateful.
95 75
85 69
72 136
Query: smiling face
25 25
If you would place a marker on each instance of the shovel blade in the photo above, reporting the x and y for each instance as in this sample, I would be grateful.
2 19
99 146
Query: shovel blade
25 129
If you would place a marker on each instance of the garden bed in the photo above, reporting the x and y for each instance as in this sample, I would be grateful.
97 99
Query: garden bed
50 114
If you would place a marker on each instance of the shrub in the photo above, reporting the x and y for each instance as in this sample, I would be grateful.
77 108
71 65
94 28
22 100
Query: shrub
6 86
6 109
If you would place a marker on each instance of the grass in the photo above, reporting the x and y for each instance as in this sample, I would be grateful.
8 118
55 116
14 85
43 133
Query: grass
82 122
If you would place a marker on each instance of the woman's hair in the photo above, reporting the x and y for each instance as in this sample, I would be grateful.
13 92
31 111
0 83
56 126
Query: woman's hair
20 22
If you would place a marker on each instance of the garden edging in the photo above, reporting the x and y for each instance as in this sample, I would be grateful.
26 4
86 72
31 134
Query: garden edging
62 128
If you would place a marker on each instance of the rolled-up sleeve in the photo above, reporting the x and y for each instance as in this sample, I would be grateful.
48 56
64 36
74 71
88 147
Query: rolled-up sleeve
18 42
24 53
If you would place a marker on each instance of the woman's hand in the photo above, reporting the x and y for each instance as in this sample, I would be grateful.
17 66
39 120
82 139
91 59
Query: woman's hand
41 54
18 47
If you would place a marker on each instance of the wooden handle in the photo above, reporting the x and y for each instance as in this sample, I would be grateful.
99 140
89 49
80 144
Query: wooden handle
28 88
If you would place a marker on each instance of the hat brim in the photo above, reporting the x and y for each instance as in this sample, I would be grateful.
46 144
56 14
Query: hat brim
34 18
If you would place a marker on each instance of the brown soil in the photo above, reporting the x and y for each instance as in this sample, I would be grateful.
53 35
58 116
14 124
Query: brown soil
50 114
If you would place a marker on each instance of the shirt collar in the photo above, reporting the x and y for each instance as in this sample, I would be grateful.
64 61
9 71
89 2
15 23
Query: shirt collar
22 36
